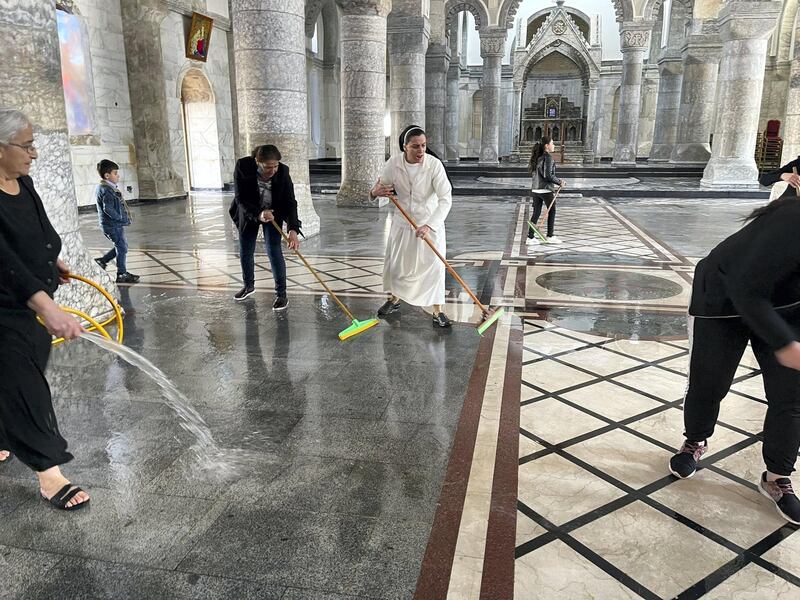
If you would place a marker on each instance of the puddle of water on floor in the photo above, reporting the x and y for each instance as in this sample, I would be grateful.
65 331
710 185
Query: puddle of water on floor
210 460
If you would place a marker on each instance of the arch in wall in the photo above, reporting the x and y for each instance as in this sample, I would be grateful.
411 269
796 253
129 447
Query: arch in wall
508 10
651 9
584 63
537 19
783 39
453 8
201 136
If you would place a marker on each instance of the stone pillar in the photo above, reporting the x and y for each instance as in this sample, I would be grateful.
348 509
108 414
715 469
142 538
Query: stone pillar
493 41
590 113
701 56
670 67
437 62
635 40
141 27
363 56
270 53
331 109
744 28
452 111
516 114
791 128
407 36
31 76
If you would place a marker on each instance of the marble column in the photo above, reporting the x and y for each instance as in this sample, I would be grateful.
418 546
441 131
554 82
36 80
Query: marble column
363 56
516 114
408 33
791 128
590 112
701 56
437 62
493 43
270 52
331 73
141 28
744 29
670 68
31 76
451 118
635 40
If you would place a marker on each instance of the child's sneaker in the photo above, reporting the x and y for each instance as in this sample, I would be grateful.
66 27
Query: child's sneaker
532 241
554 240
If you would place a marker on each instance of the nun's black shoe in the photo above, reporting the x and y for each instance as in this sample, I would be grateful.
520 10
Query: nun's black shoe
441 320
388 308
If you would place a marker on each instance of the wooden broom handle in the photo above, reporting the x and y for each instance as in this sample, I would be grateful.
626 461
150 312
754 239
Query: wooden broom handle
314 273
797 189
552 204
452 271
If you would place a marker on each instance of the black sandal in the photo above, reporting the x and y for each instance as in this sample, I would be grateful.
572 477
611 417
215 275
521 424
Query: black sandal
63 496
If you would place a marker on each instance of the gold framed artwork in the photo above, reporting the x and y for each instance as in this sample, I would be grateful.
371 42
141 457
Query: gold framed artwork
199 37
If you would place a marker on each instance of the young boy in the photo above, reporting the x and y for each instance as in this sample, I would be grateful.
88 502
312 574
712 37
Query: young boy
114 216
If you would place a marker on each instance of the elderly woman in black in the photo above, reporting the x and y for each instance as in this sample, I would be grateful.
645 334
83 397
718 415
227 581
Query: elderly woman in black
748 290
30 272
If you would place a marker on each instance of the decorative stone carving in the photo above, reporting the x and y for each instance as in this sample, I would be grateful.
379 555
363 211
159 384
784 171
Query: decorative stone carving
559 27
635 40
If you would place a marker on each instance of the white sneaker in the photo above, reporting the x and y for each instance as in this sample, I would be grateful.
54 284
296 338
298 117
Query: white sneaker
534 241
554 240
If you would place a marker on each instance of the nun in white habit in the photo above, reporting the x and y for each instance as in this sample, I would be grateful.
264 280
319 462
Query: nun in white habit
411 271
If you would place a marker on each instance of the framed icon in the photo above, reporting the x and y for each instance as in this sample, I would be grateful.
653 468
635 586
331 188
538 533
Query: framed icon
199 37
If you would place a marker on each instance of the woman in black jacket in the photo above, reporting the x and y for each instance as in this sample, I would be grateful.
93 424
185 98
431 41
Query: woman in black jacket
748 290
264 192
30 272
542 168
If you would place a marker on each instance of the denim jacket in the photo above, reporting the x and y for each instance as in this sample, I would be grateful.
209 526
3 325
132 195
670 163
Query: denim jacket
112 210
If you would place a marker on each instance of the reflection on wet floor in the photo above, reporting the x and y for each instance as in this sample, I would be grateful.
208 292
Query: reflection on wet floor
578 390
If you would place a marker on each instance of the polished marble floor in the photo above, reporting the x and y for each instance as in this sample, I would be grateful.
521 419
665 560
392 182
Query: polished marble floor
528 463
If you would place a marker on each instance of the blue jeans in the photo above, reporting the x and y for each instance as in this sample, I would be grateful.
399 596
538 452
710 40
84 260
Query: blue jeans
120 249
247 247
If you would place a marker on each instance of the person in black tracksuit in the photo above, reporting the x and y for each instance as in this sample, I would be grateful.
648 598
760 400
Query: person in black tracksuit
542 168
264 192
30 273
748 290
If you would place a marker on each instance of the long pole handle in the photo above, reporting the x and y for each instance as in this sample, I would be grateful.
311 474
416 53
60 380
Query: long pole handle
543 218
314 273
452 271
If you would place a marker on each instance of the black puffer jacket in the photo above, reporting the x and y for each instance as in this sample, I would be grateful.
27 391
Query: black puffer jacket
246 205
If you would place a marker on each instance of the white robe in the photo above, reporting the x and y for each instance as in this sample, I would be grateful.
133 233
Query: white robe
411 271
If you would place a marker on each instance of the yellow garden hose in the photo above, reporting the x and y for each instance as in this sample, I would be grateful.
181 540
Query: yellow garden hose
94 325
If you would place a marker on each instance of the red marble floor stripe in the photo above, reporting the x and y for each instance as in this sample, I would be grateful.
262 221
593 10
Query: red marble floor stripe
437 564
498 562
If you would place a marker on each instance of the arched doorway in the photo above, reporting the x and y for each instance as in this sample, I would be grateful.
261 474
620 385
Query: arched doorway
200 132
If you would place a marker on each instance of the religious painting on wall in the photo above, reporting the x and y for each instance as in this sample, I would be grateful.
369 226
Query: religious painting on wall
199 37
76 74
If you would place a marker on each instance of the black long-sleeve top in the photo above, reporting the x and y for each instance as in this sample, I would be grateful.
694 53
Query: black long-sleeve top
29 249
246 204
755 272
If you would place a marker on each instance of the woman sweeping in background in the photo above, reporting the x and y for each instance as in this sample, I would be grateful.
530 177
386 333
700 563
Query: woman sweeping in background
411 272
542 168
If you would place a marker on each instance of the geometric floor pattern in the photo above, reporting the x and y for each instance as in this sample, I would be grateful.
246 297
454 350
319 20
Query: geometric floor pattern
599 515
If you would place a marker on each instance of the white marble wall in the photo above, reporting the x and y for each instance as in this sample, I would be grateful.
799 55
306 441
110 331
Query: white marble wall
112 102
647 114
775 95
316 96
216 69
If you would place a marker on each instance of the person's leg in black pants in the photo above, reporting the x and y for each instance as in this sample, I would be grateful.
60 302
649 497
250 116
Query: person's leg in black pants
715 349
782 423
537 211
247 247
272 240
551 215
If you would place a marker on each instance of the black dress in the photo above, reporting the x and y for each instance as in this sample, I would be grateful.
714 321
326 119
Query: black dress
29 249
